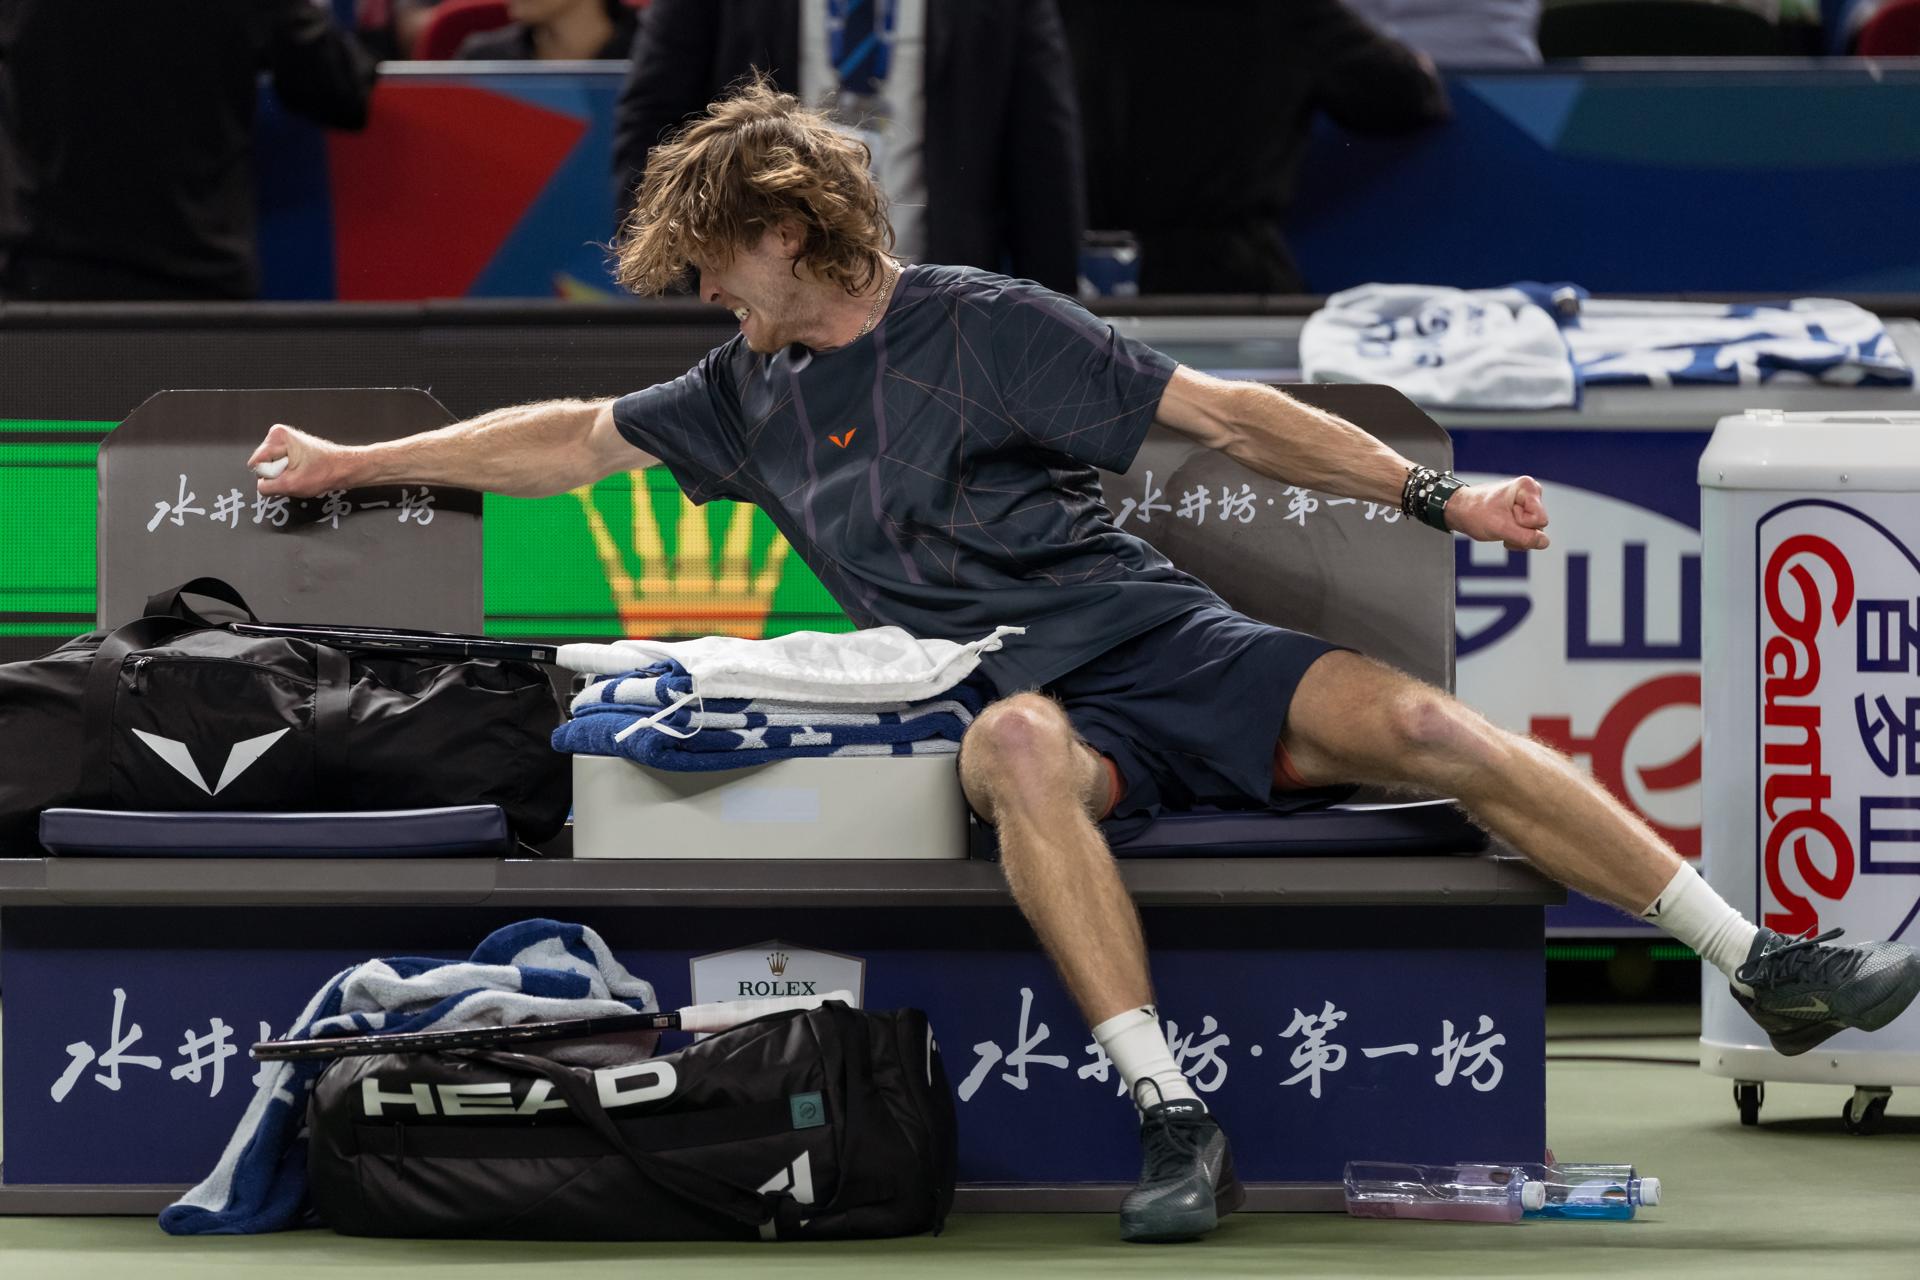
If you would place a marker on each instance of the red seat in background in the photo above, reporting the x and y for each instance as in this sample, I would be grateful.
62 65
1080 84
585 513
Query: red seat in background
452 22
1892 32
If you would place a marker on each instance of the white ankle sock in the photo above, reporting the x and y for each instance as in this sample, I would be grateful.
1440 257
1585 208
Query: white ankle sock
1691 911
1138 1047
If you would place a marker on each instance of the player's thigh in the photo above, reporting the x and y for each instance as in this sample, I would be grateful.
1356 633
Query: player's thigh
1356 720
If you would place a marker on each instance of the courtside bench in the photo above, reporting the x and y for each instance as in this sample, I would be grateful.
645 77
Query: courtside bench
1380 1003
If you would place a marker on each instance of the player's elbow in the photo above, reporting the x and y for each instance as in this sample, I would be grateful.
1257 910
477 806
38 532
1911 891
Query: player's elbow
1244 414
1207 410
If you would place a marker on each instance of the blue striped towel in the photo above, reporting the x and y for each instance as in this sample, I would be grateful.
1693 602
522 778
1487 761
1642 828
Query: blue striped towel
528 972
654 717
1747 344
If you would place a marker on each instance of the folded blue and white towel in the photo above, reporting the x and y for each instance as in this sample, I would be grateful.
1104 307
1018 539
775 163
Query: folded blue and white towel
528 972
1746 344
1537 346
655 717
1439 347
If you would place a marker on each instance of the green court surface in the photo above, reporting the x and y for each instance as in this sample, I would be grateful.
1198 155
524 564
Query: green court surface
1797 1196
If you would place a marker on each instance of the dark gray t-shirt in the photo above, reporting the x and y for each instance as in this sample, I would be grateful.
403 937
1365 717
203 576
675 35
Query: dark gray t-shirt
938 473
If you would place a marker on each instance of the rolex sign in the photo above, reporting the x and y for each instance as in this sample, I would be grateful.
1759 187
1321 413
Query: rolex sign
771 970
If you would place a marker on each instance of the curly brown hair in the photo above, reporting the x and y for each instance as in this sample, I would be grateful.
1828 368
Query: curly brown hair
755 158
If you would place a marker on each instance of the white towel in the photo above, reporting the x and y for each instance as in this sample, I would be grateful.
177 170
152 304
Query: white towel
880 664
1479 348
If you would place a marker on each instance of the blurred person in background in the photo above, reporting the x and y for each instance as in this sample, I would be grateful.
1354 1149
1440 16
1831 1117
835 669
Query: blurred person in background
556 30
1460 33
405 19
967 107
126 136
1196 117
375 24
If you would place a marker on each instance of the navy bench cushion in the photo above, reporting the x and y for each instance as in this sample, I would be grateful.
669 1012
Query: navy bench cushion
475 830
1428 826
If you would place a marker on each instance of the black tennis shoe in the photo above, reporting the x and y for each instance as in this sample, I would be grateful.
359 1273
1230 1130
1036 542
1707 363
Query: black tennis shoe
1186 1175
1805 990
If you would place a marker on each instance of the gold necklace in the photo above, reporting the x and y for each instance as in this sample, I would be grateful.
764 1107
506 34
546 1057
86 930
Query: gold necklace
873 312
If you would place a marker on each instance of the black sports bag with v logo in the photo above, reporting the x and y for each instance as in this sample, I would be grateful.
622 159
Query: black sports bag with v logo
827 1123
173 712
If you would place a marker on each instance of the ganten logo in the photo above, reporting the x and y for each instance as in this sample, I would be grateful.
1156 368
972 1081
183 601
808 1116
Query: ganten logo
1792 764
1837 762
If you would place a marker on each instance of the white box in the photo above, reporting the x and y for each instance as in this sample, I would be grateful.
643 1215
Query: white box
884 807
1810 524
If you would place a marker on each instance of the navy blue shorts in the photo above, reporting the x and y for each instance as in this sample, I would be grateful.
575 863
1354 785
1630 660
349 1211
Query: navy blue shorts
1190 712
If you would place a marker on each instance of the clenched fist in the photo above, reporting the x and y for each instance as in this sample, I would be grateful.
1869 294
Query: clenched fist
1513 513
299 465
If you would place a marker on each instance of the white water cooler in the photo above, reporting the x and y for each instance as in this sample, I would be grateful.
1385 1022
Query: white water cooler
1810 524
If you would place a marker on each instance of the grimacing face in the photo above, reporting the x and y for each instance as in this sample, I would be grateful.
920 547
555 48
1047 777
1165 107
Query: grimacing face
759 286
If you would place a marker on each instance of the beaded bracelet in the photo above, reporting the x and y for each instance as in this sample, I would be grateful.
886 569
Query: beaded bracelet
1424 496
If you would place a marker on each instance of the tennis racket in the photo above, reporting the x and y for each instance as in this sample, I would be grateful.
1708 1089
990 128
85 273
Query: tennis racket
694 1017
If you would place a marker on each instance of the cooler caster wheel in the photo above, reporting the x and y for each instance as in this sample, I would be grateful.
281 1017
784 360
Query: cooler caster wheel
1866 1110
1748 1095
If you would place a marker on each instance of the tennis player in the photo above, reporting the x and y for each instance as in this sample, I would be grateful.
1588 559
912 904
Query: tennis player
927 438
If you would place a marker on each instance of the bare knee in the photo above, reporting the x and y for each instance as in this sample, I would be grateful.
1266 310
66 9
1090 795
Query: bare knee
1439 741
1355 720
1023 750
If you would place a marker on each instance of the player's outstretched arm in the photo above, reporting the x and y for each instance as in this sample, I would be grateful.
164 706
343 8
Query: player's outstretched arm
527 451
1276 435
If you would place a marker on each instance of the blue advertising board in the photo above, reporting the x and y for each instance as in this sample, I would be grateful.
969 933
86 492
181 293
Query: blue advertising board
1593 645
1318 1036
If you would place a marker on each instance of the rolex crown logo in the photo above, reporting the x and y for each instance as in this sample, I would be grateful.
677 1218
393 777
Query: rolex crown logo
777 963
688 591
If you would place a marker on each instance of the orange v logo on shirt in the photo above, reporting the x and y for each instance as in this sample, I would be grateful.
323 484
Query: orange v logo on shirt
844 440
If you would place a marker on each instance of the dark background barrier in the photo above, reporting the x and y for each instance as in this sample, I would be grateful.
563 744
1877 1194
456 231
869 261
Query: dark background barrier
99 362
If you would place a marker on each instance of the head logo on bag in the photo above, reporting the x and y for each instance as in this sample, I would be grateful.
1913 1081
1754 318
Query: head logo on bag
240 757
819 1126
622 1086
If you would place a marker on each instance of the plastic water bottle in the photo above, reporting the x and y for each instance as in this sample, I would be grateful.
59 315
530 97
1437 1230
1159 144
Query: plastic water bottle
1587 1191
1448 1193
1573 1170
1596 1191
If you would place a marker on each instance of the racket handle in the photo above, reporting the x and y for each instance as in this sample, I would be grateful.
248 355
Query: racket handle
720 1016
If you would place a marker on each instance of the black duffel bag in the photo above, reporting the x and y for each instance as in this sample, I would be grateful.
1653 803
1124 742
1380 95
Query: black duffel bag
828 1123
173 712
